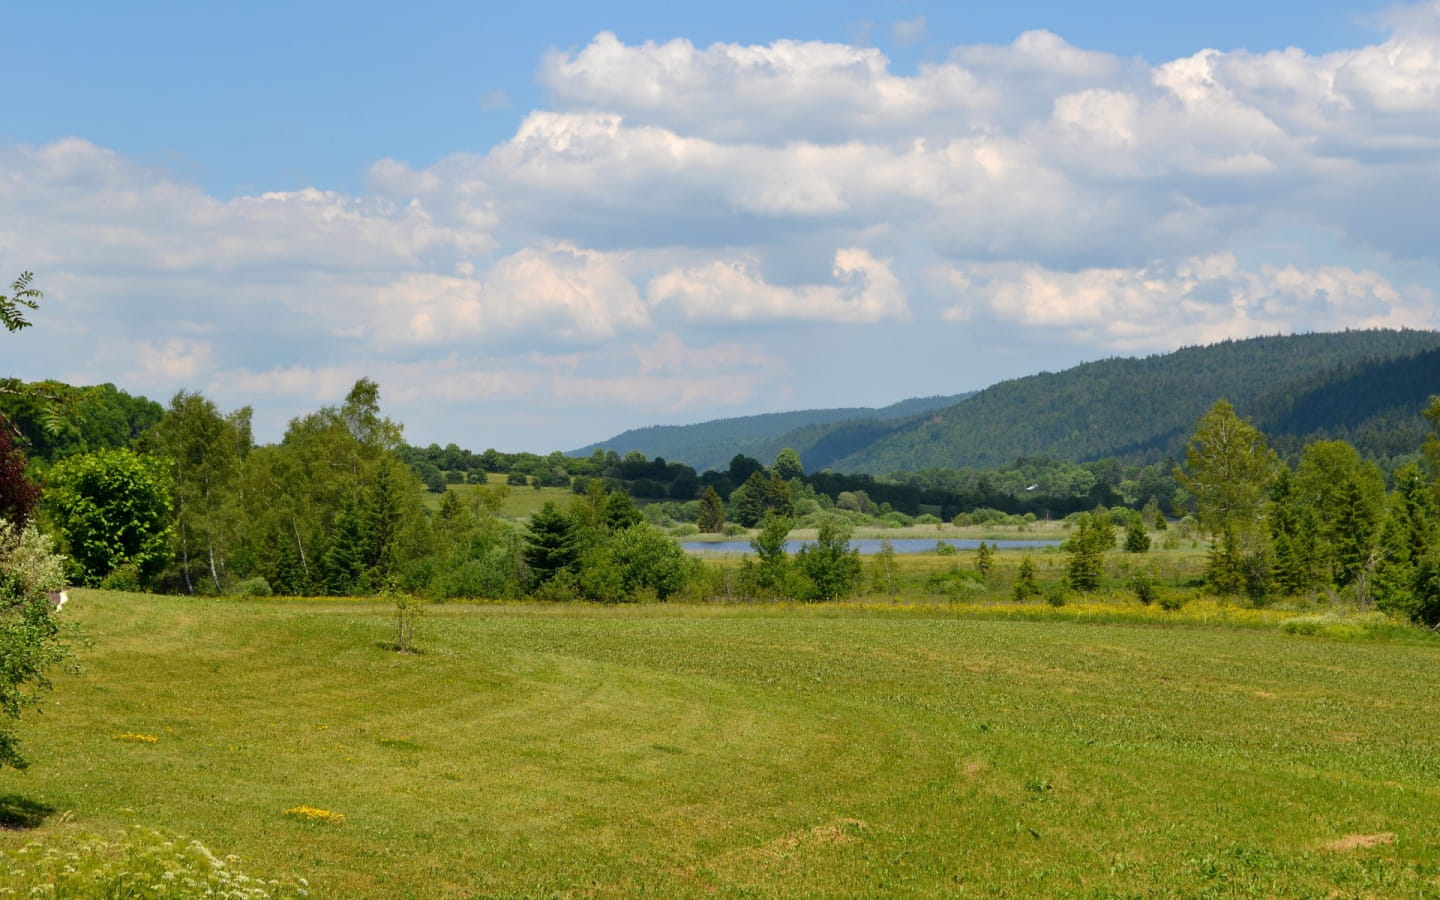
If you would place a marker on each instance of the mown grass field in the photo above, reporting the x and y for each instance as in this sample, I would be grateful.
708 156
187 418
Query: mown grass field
862 750
519 503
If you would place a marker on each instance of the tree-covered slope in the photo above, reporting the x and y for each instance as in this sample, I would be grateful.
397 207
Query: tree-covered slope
1339 384
710 445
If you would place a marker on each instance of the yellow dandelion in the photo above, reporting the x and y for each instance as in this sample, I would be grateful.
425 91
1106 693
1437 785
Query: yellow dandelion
136 738
311 814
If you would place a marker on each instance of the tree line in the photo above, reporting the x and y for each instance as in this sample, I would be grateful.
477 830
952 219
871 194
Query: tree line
1327 525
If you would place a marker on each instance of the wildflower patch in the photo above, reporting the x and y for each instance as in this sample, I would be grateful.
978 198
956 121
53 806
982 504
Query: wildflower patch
311 814
135 738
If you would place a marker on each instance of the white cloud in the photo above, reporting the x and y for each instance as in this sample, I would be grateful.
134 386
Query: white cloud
170 364
1197 300
668 190
559 291
732 290
670 377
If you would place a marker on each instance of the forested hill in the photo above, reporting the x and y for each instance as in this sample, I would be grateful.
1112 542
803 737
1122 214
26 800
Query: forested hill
1367 387
710 445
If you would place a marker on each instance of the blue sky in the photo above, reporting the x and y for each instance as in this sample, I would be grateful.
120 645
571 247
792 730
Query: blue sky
537 226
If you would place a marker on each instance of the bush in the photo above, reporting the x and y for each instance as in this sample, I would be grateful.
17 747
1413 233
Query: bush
945 548
124 578
1057 595
141 863
559 589
733 529
955 584
685 530
1144 586
927 519
253 587
1171 601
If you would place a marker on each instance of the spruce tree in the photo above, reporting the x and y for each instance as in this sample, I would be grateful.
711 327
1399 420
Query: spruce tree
1136 540
1026 584
712 512
1410 538
984 559
551 544
1086 547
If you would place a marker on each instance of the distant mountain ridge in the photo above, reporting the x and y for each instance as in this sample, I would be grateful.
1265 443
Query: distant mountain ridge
1368 387
712 444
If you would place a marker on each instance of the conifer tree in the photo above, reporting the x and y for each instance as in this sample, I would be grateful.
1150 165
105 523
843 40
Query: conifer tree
1086 548
1136 540
712 512
1026 584
1409 539
984 559
551 545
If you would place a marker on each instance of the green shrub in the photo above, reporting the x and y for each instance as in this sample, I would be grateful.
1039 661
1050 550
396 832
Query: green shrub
1145 588
253 587
1057 595
686 530
140 863
123 578
1170 600
733 529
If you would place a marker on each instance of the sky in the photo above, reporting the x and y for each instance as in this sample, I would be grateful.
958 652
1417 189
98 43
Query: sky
536 226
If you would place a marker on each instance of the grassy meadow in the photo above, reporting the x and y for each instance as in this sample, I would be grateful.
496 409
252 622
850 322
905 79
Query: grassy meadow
519 502
872 748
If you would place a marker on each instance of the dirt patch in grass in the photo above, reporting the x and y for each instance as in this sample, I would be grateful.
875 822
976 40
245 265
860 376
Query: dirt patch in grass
1362 841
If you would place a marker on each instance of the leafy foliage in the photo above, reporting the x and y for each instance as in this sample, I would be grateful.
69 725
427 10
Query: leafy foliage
30 642
113 508
21 297
18 494
831 568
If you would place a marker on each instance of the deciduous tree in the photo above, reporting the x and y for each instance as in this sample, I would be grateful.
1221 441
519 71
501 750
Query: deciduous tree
30 644
113 508
831 568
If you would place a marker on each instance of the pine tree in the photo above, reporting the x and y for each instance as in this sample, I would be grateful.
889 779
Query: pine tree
1409 539
344 560
1225 569
1136 540
712 512
1086 548
984 559
1026 584
551 545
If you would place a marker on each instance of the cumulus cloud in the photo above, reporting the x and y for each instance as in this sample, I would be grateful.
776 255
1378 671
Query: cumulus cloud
169 364
667 190
732 290
666 375
559 291
79 206
1197 300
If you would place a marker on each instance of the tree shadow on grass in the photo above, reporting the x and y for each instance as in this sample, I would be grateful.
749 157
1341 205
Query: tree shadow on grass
17 812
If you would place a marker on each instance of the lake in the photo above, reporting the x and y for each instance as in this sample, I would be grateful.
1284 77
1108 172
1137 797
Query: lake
870 546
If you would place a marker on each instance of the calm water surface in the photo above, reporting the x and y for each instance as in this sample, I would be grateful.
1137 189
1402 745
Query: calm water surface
868 546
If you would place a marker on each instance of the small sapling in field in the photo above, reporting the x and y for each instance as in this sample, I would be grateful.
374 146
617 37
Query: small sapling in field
409 609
